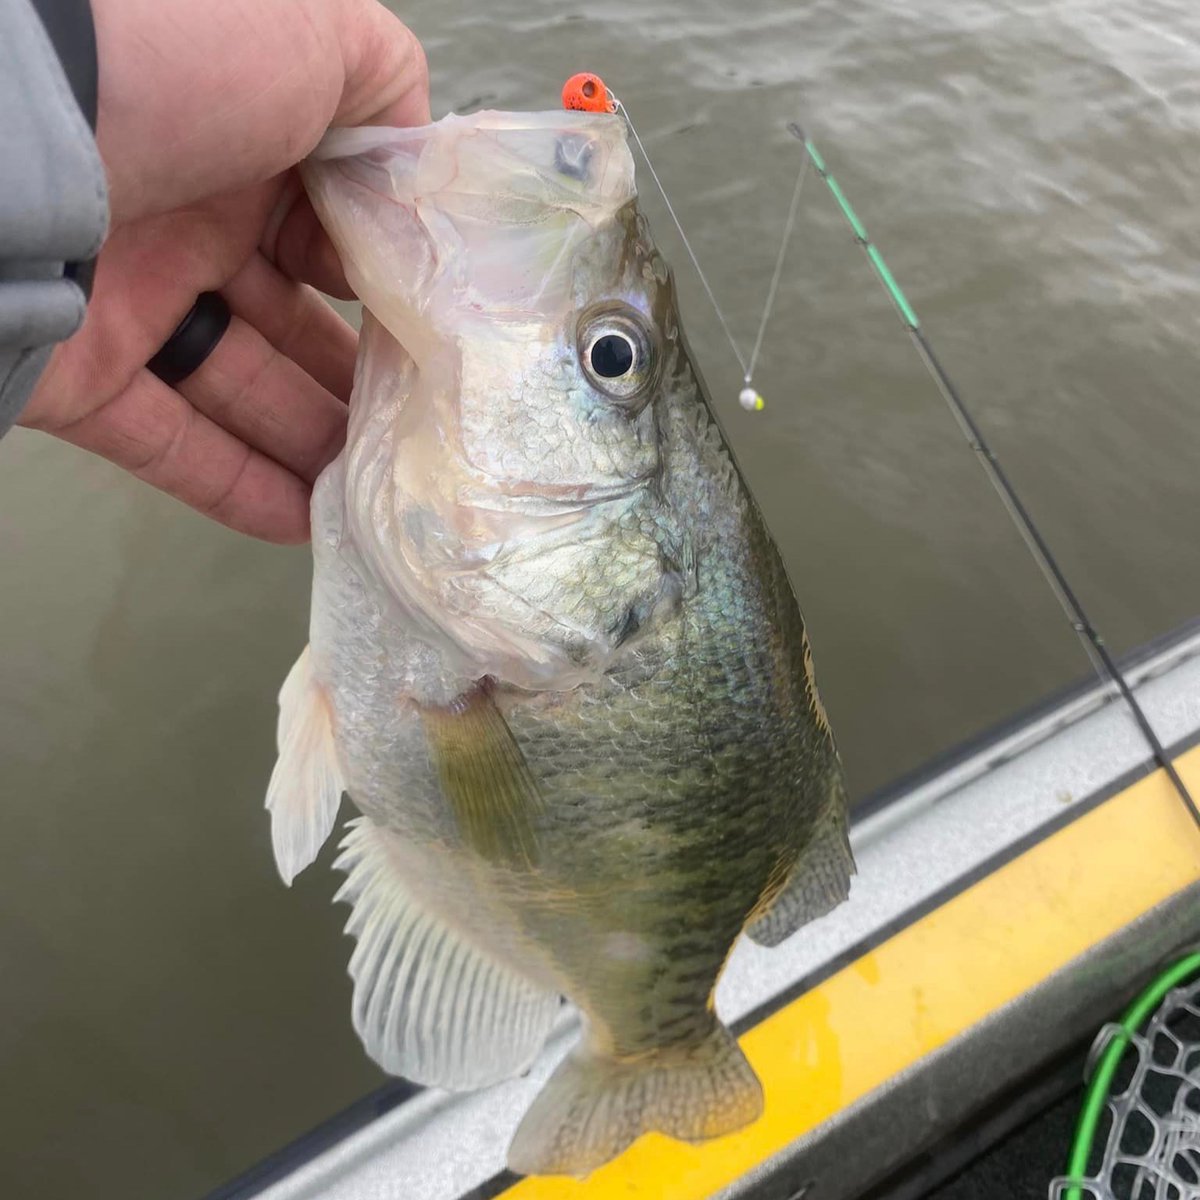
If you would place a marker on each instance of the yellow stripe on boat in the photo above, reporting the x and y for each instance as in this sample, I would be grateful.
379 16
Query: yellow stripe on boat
926 985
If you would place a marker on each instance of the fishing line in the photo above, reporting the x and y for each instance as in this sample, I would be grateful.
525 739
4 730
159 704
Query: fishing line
749 398
662 191
1093 643
789 225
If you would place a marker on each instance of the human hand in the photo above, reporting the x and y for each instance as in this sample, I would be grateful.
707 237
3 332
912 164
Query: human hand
205 107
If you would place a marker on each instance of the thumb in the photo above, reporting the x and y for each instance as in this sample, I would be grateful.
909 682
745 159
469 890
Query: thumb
202 97
387 80
386 83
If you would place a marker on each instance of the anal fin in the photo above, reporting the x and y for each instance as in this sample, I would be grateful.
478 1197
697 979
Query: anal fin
819 882
428 1004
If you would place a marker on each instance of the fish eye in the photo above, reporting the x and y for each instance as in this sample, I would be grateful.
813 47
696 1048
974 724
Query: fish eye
612 355
617 352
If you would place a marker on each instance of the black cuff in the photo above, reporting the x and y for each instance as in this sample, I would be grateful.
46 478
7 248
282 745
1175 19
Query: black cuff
73 34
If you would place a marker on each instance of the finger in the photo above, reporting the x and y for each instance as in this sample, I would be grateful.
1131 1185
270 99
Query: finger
297 322
147 278
302 250
153 432
266 401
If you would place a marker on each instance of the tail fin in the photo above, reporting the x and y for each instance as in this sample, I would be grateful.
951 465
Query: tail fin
593 1107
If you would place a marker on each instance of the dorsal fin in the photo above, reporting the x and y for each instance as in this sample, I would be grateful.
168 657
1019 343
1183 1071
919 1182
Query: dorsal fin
818 883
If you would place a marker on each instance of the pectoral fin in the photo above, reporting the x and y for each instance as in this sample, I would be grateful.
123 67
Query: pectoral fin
485 777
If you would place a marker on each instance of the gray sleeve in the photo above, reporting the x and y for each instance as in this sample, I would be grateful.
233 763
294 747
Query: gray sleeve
53 204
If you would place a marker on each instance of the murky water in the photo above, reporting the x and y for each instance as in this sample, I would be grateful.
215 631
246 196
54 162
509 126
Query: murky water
169 1013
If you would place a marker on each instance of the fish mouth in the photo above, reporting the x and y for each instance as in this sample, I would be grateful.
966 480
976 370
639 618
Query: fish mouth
340 143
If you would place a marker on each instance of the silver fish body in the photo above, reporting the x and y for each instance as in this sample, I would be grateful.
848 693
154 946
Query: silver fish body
554 659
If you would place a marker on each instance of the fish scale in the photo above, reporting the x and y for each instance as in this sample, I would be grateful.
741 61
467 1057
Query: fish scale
746 754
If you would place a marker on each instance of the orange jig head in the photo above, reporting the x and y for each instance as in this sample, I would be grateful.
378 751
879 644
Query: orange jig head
587 93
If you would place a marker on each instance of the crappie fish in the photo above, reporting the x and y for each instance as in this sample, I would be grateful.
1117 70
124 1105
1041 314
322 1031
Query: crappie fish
554 657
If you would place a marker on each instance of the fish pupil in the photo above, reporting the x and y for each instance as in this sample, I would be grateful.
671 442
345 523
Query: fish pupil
612 356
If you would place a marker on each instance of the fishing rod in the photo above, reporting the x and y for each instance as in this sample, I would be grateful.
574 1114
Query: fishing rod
1093 643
